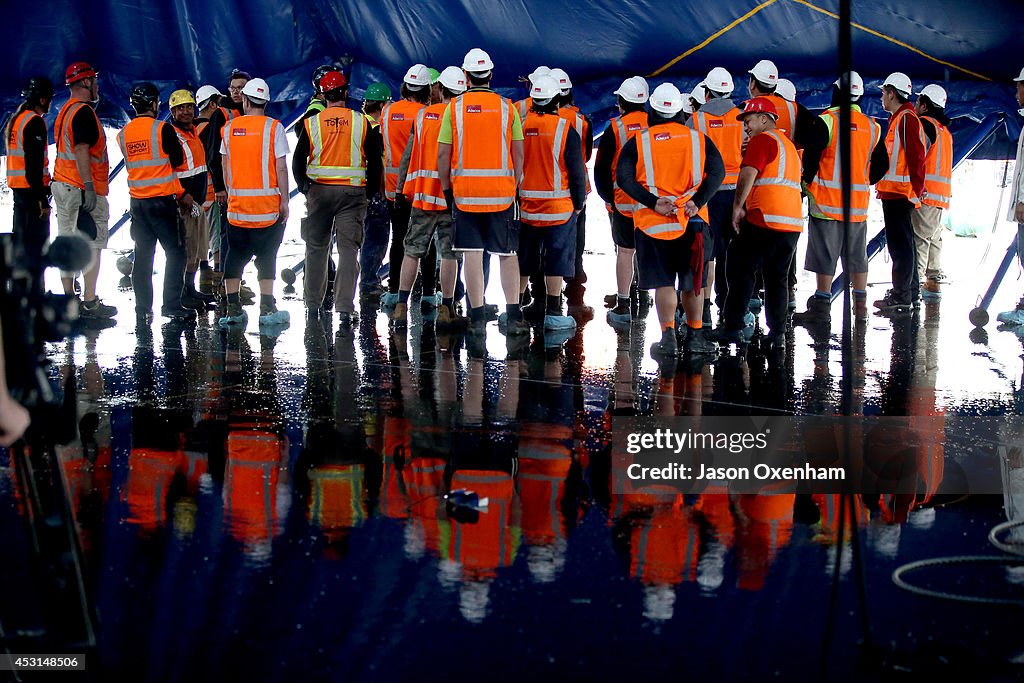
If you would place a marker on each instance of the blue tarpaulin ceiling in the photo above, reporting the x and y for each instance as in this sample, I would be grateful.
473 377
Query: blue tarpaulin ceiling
969 47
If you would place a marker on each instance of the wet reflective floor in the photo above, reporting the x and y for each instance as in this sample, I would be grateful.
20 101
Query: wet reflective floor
272 508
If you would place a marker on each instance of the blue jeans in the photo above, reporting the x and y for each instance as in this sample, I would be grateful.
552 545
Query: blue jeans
377 228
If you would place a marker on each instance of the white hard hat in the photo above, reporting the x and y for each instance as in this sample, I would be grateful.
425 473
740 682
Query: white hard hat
687 105
935 93
786 90
539 71
418 76
765 72
257 89
544 88
477 61
204 94
698 93
719 80
666 100
1020 78
634 89
900 81
453 78
562 78
856 84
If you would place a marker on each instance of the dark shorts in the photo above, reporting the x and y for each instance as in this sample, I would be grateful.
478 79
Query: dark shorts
664 263
825 246
246 243
548 250
496 232
622 231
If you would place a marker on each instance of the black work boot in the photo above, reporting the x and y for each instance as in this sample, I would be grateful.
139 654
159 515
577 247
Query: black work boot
697 342
819 312
668 346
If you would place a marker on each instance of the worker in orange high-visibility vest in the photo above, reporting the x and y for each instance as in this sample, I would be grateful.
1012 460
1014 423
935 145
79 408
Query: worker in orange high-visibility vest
718 118
254 153
524 105
827 234
396 121
768 217
899 171
480 159
631 99
420 183
671 171
28 172
337 163
152 151
938 188
81 178
193 176
552 196
210 278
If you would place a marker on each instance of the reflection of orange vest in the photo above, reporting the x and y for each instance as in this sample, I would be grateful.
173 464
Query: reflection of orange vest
426 481
544 196
776 191
16 178
250 484
483 176
422 180
543 468
625 128
336 137
250 171
897 178
670 163
769 529
336 501
665 548
829 508
713 504
492 541
938 168
727 133
65 169
827 187
394 499
395 125
572 114
151 472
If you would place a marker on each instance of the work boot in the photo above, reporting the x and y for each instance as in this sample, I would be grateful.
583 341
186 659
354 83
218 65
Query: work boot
667 347
932 290
245 294
819 312
399 315
890 304
95 310
234 315
611 300
860 306
181 313
449 319
792 299
1013 318
534 311
190 299
389 300
430 302
215 282
556 322
270 315
509 326
580 311
706 319
725 337
697 342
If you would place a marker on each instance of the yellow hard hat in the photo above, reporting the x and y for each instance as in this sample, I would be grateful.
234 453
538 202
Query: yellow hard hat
181 97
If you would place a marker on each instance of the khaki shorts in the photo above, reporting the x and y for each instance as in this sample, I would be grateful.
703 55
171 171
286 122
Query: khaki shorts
66 200
197 237
422 226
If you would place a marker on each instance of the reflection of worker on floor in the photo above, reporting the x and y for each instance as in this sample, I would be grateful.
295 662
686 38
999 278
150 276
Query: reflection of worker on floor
331 475
764 525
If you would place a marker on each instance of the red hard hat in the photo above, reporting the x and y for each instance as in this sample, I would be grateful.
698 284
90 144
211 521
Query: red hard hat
77 71
760 105
332 80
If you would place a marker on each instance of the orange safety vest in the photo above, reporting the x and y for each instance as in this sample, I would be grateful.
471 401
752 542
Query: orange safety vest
544 197
396 125
776 191
577 120
250 171
229 113
483 176
150 173
210 194
336 138
195 155
524 106
16 179
897 178
250 484
670 163
727 134
65 169
625 128
422 180
786 123
938 168
827 187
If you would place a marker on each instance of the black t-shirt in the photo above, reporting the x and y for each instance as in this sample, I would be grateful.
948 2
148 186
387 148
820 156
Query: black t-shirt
85 127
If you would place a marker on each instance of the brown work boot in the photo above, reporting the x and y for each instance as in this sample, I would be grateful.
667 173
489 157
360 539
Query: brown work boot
449 319
400 315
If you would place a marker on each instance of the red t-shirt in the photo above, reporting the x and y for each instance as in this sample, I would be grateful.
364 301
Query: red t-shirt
761 151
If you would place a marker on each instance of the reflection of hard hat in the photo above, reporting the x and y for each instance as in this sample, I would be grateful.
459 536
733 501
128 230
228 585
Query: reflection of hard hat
477 61
377 92
257 90
786 90
666 99
856 84
765 72
473 600
77 71
659 602
543 89
900 82
562 79
453 78
418 76
204 94
936 94
180 97
719 80
634 89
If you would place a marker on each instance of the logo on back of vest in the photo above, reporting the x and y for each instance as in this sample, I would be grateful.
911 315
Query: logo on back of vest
473 108
531 132
663 136
634 126
853 127
716 124
236 132
432 116
398 117
336 122
137 148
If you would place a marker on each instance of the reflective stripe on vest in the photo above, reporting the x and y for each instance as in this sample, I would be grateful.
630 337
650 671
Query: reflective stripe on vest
65 169
149 167
649 221
16 178
776 191
422 179
543 207
826 188
625 128
572 114
897 178
189 168
326 156
253 201
728 139
938 168
396 137
472 193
